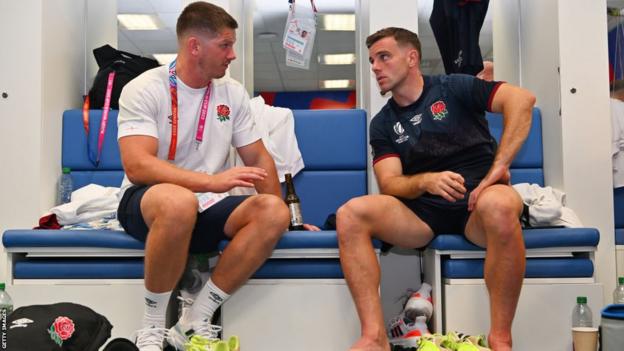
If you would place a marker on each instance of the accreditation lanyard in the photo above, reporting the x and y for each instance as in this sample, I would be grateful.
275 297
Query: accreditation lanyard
173 89
104 120
292 6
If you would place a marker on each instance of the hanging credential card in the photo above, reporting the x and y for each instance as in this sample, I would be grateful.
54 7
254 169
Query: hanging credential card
297 36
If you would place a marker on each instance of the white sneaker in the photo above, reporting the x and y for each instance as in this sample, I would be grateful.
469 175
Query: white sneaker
179 334
184 307
406 332
419 303
150 338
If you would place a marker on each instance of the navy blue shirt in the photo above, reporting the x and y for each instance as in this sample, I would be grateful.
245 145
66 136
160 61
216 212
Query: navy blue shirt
444 130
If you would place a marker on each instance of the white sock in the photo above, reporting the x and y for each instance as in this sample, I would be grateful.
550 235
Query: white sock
155 309
209 299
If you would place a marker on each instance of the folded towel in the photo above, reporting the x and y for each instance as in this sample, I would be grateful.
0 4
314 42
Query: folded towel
88 203
547 206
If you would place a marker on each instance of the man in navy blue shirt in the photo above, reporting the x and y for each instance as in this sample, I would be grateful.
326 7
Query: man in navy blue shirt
439 171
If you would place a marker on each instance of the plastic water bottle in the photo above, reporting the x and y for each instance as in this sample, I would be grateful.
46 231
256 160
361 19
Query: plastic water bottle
65 187
6 304
618 293
582 314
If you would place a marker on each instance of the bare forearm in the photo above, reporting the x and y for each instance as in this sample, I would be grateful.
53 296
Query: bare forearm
151 170
404 186
270 184
516 125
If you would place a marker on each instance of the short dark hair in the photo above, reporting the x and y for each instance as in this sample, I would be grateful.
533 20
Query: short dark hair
204 16
401 35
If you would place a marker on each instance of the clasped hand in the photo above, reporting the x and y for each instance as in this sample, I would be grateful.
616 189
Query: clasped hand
447 184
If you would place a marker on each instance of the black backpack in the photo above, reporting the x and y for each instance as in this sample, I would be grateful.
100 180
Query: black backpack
127 66
57 327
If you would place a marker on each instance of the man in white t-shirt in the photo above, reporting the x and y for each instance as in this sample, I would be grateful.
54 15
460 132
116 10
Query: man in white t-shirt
174 156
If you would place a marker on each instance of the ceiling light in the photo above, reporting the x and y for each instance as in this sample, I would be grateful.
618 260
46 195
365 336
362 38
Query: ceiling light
138 21
267 35
164 59
337 59
339 22
336 84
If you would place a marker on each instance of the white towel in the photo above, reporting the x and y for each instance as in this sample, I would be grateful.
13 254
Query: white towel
88 203
547 206
276 125
617 141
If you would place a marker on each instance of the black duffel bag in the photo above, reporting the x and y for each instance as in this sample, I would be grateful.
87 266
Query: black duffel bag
126 66
57 327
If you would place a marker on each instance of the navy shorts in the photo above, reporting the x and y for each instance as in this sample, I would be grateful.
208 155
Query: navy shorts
208 231
443 217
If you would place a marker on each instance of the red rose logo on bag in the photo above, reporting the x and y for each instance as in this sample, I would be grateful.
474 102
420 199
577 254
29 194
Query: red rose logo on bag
223 113
438 110
61 330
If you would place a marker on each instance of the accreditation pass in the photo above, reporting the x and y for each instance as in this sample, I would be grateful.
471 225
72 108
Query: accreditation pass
207 200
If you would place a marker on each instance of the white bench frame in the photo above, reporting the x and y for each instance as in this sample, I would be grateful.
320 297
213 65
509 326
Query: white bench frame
449 295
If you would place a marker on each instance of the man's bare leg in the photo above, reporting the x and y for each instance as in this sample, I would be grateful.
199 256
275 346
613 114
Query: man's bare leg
389 220
255 228
494 224
170 212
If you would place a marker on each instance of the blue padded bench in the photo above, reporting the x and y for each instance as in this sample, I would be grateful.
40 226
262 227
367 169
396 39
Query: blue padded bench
526 168
79 254
333 144
552 253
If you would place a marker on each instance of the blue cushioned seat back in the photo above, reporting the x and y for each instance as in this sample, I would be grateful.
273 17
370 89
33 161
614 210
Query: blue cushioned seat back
332 142
619 236
333 146
527 167
75 150
331 139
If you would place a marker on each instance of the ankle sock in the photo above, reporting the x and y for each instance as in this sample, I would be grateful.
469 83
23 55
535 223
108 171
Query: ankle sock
207 302
155 308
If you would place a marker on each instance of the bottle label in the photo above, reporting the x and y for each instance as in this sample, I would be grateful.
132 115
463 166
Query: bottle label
295 214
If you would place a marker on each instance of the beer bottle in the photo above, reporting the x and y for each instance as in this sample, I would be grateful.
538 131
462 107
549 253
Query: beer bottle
294 205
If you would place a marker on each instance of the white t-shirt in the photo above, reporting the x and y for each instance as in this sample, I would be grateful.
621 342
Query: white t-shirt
145 109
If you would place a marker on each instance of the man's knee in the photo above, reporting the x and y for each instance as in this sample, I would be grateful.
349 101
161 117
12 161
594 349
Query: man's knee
354 212
499 208
170 204
355 209
270 209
